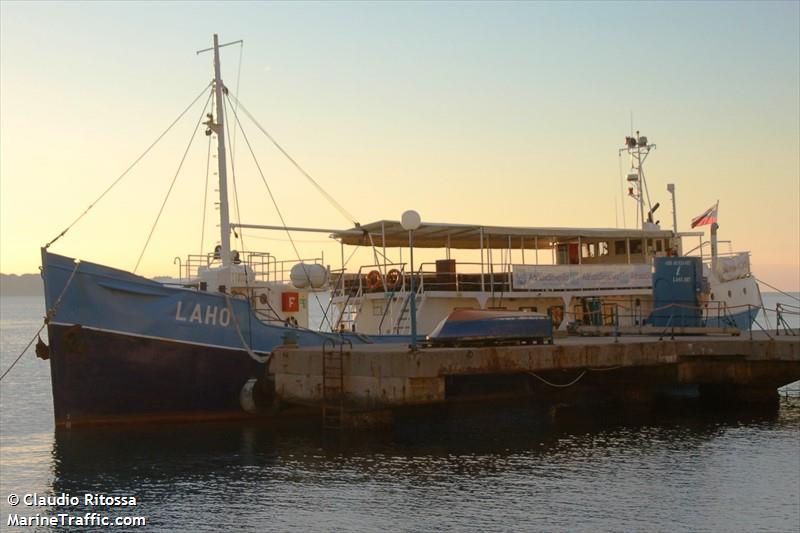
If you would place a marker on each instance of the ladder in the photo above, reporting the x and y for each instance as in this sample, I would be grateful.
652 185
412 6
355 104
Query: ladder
333 383
403 323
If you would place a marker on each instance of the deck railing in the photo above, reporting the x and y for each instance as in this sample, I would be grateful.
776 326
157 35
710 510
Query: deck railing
495 278
264 266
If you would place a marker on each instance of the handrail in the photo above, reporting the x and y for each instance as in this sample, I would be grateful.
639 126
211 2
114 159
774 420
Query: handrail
616 311
403 308
781 322
264 266
359 274
347 301
704 243
389 301
755 321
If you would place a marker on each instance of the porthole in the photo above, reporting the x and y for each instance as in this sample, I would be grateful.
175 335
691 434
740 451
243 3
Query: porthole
744 290
729 294
712 295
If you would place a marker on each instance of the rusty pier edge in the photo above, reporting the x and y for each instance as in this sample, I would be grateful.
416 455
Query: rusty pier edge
378 380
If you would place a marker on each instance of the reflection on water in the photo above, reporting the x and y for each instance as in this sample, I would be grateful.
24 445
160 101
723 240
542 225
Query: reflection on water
682 469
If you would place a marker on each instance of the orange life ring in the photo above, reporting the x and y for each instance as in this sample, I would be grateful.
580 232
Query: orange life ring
373 280
393 279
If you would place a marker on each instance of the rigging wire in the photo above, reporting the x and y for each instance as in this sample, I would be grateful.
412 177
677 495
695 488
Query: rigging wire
622 190
330 300
647 194
240 233
125 173
238 76
777 289
280 148
171 185
272 197
205 197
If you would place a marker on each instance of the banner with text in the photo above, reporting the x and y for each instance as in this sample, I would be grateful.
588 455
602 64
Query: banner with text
577 277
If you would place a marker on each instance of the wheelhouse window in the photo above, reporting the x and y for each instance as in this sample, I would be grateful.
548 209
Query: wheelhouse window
619 248
594 249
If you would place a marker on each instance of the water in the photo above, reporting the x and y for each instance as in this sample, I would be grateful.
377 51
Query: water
682 469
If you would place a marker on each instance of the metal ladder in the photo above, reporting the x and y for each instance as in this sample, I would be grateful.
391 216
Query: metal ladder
333 383
403 323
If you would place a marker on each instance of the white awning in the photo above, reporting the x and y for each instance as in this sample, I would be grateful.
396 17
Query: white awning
468 236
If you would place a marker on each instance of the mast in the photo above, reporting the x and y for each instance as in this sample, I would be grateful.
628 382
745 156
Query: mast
641 183
224 217
639 148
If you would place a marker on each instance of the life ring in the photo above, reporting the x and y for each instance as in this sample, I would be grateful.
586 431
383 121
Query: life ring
373 280
393 279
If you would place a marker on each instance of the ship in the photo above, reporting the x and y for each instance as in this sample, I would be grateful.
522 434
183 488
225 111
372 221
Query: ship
590 276
126 348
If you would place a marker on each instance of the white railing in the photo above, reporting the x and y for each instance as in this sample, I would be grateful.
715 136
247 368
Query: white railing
264 266
496 278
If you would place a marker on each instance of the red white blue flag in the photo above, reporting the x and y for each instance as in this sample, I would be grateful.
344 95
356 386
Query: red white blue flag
708 217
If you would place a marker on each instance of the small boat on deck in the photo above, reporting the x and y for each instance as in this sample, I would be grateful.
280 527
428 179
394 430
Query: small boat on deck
473 327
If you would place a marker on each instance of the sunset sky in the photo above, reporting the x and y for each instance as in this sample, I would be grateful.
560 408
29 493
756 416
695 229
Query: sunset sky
491 113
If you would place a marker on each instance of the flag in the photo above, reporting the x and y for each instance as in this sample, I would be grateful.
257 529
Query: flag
708 217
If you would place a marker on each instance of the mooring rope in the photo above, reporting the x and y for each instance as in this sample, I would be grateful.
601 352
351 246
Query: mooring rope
573 382
23 351
50 314
257 358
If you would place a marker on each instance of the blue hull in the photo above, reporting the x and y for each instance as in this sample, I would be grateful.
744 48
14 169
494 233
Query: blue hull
743 320
124 348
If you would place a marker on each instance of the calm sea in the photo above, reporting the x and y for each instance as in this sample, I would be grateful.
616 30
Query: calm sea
681 469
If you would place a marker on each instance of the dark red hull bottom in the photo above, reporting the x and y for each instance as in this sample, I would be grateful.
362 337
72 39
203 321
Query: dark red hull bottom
101 377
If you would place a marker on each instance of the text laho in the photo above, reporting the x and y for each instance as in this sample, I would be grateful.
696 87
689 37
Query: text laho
211 315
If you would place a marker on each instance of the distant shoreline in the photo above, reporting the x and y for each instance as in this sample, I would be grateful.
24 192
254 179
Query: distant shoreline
24 285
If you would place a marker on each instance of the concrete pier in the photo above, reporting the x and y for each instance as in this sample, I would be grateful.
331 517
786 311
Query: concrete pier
575 369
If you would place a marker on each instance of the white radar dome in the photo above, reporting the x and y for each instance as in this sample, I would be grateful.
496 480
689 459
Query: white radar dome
309 274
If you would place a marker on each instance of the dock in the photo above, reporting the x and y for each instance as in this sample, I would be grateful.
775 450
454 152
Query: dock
369 382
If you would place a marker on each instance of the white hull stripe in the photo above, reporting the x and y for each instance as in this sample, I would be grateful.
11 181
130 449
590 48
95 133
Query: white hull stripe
153 337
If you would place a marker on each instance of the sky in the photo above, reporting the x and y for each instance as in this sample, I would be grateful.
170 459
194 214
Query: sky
489 113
